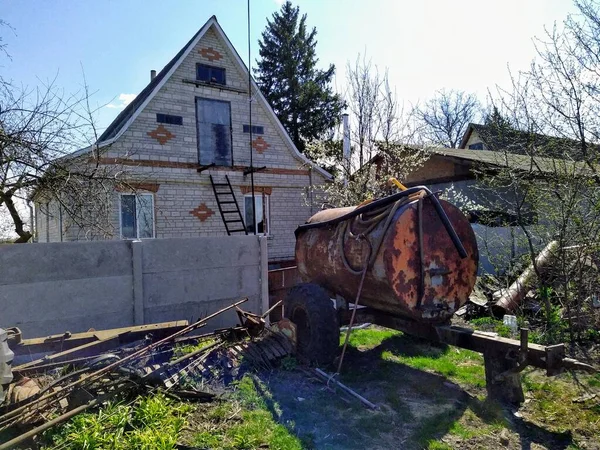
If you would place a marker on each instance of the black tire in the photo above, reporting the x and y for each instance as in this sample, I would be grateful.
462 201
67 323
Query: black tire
309 307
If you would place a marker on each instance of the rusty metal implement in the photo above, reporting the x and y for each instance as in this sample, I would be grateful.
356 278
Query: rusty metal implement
421 254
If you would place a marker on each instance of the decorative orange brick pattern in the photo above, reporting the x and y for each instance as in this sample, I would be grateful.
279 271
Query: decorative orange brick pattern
125 187
257 189
210 53
202 212
161 134
260 145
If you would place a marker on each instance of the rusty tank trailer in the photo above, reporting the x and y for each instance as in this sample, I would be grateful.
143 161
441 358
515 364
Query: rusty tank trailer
420 255
411 260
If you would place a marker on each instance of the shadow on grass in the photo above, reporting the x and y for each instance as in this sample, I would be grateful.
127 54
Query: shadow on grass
417 408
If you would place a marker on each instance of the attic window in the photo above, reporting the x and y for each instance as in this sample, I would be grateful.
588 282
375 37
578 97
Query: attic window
256 129
210 74
168 118
478 146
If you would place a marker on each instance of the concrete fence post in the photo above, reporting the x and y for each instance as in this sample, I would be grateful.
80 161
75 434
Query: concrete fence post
264 275
138 285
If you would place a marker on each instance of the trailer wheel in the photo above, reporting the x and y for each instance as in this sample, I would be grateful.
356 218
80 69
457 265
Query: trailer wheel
309 307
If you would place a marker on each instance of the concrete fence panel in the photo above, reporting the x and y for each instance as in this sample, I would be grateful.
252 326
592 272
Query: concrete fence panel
51 288
191 278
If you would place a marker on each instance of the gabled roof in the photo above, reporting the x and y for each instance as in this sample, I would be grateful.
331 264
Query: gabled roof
131 111
489 158
492 160
516 141
121 120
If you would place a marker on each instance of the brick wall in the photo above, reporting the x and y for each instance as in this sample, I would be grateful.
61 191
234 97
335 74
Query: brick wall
437 168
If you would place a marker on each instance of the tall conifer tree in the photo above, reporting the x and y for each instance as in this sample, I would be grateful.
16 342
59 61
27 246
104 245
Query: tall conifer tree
299 93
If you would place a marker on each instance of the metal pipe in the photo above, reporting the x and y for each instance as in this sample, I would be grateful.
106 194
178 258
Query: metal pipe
386 201
345 389
60 419
255 225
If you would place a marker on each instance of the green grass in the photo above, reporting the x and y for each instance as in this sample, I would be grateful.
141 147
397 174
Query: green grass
436 445
491 324
458 365
553 407
368 337
152 422
247 420
467 427
594 380
184 349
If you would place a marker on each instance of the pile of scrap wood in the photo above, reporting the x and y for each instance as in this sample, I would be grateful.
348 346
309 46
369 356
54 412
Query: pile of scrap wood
75 372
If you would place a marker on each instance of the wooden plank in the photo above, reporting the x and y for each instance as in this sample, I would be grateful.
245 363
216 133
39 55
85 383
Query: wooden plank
61 342
461 337
89 349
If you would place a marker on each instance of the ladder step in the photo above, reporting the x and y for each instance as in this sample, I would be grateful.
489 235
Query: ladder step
227 202
237 231
233 221
230 212
220 184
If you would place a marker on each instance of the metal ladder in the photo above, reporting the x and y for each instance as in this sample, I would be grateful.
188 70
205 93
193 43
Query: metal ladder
225 196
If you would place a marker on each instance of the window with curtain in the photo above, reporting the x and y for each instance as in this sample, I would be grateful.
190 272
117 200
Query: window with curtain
137 216
261 202
214 132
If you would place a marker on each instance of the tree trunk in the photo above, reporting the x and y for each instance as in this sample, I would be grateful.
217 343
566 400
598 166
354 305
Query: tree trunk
24 235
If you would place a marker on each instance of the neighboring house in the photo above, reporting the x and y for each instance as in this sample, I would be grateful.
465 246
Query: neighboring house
473 140
191 123
458 174
509 140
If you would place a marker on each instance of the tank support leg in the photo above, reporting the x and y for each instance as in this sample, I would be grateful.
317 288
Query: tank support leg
502 376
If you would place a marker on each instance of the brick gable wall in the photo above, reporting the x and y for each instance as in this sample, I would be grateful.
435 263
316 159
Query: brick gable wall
167 155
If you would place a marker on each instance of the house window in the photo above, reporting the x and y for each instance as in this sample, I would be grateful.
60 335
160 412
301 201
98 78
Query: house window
210 74
214 132
261 201
478 146
170 119
256 129
137 216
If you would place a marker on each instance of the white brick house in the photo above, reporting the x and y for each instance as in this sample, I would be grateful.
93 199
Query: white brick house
195 113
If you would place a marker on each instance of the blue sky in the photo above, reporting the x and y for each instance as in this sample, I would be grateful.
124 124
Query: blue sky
426 45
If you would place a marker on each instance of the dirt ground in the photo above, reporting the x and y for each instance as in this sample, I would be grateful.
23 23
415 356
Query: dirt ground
417 410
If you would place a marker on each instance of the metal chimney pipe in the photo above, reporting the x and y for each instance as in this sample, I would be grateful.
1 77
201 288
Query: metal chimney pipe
152 74
346 146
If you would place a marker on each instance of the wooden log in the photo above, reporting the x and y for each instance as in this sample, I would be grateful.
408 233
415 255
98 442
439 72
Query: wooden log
502 383
511 298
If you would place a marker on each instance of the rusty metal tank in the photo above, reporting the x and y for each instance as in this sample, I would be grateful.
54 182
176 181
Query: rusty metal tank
422 251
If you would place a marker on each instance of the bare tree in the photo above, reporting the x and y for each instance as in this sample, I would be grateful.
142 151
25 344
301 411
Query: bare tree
443 119
40 130
382 134
553 112
397 123
364 94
